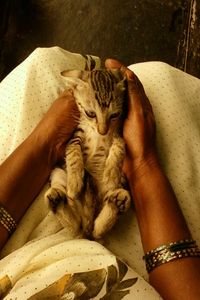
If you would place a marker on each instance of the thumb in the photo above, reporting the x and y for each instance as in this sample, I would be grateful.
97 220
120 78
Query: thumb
134 102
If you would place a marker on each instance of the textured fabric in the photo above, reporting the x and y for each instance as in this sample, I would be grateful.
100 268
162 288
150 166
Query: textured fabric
65 269
45 261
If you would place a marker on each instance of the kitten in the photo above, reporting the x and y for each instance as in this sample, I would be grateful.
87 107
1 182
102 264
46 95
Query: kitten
90 193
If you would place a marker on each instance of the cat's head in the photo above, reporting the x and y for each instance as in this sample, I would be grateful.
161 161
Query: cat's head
100 96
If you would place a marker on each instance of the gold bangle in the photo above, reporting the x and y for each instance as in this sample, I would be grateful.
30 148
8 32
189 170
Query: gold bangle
7 221
172 251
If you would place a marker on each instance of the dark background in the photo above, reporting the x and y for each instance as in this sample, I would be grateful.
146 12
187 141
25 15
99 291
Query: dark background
130 30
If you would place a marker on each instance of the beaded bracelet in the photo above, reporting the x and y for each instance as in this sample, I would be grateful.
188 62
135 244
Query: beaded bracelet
172 251
7 221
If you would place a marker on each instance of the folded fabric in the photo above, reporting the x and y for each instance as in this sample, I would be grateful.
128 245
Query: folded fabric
57 268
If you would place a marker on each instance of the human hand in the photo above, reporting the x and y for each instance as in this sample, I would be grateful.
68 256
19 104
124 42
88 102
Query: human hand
58 124
139 129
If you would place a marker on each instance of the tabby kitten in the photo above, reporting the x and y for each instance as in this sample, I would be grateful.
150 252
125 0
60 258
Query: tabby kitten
90 193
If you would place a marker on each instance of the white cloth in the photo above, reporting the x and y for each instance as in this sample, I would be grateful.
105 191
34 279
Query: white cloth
44 261
60 269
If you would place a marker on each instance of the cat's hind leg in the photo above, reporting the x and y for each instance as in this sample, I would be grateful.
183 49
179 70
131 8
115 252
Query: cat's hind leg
66 210
115 202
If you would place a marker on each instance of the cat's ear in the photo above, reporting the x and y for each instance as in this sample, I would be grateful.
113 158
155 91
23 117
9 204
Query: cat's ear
120 78
117 74
72 73
121 85
83 75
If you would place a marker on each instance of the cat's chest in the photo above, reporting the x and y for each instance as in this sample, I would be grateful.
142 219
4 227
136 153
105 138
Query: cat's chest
95 151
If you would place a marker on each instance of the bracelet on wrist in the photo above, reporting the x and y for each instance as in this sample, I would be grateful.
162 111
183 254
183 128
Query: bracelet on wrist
7 220
165 253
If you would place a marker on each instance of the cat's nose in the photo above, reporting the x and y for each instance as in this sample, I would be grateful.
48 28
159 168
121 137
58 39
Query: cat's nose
102 128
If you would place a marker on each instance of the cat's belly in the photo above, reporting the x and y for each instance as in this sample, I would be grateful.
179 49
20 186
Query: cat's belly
95 153
95 165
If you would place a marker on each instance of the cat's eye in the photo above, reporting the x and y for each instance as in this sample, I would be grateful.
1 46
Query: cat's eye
114 115
90 114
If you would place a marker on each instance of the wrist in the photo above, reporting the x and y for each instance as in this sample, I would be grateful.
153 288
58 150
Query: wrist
141 167
43 147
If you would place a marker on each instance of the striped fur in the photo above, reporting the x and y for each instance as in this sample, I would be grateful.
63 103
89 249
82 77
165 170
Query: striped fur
103 86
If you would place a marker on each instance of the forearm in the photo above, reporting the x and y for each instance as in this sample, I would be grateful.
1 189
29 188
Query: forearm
22 175
161 222
157 208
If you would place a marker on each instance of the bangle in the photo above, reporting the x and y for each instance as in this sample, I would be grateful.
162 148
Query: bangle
7 221
172 251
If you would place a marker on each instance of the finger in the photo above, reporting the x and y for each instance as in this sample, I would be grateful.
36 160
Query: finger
116 64
134 104
137 92
67 93
113 63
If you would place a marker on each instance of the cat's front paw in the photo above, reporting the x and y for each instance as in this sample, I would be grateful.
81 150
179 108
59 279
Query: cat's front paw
121 198
111 177
54 197
75 185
